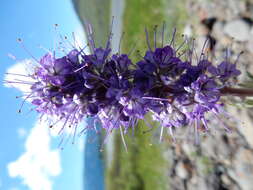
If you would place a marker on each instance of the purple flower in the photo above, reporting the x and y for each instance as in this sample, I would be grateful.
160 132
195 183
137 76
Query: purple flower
117 93
143 81
205 90
98 58
224 71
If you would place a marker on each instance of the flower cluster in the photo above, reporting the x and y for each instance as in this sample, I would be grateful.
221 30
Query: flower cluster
117 92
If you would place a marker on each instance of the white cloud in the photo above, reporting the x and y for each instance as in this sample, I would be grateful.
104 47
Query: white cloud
14 188
80 144
21 132
39 163
16 74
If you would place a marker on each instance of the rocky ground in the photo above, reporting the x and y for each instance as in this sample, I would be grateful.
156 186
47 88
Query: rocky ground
222 161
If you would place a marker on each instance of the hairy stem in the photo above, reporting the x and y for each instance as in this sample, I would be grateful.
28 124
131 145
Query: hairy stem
236 92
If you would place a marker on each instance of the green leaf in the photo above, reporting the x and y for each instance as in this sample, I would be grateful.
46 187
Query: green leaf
250 75
249 102
247 84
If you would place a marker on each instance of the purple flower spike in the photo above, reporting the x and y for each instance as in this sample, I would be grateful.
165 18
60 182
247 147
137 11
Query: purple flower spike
227 70
175 89
205 90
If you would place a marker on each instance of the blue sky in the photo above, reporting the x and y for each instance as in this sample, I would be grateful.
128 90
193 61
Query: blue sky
33 21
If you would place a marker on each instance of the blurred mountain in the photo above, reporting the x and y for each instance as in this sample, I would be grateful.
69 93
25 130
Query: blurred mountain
97 13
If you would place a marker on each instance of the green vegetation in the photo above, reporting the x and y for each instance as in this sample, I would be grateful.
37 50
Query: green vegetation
144 166
141 14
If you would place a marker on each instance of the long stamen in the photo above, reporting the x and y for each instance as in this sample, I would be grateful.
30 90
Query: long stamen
170 131
163 28
172 42
132 49
23 102
161 133
16 74
155 30
147 124
147 39
79 69
205 124
154 98
180 46
27 51
63 126
108 44
120 42
18 82
238 57
203 48
123 139
195 51
90 37
196 132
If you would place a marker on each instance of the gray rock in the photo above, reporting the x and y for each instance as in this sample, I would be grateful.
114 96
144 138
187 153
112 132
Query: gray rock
236 7
243 169
222 160
237 29
249 45
181 171
218 30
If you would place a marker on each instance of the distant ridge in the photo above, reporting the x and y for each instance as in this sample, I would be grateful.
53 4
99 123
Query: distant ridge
96 12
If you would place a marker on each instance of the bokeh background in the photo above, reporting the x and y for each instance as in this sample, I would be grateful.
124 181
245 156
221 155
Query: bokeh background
29 153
